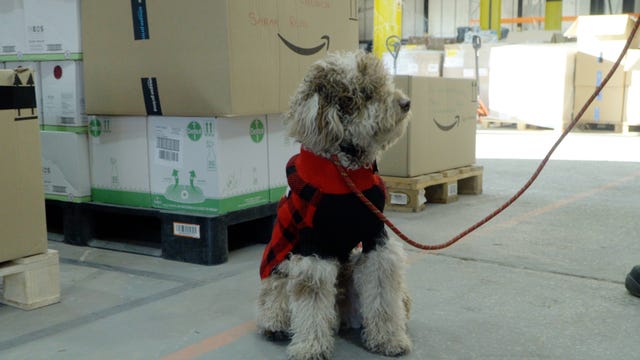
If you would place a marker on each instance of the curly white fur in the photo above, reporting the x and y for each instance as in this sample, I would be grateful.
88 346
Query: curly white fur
384 301
347 106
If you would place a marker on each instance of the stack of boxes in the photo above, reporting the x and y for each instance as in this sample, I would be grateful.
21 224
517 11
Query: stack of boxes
186 103
45 36
547 84
600 40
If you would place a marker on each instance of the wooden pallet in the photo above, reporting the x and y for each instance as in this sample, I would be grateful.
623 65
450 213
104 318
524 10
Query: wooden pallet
411 194
487 123
31 282
188 237
617 127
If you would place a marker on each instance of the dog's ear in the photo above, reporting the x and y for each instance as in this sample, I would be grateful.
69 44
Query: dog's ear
315 122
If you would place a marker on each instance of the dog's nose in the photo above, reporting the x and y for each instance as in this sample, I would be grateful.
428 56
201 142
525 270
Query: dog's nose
405 104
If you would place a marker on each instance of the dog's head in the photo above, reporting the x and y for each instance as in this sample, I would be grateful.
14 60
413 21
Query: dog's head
347 105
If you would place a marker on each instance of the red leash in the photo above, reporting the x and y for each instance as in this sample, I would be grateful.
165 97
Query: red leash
524 188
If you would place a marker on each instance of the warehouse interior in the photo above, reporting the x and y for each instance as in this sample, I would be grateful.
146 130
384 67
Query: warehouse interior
144 151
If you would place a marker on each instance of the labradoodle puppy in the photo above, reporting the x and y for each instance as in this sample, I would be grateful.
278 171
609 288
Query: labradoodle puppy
330 261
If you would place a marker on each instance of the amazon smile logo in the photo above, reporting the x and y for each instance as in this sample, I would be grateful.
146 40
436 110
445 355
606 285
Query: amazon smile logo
306 51
457 121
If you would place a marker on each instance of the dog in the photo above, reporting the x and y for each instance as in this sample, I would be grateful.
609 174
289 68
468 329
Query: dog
330 262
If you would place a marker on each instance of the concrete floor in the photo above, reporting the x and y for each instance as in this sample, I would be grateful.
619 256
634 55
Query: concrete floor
544 280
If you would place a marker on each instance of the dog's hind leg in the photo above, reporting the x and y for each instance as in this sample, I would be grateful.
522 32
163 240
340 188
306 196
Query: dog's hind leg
312 300
273 305
384 300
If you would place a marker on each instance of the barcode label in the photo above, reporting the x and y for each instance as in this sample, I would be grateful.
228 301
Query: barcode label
59 189
168 155
453 189
67 120
399 198
168 144
9 49
168 149
54 47
186 230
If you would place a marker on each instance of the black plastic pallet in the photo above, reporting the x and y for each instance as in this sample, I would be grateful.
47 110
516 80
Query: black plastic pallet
187 237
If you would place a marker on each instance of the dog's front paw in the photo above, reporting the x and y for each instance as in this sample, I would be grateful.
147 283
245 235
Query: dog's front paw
309 351
397 346
276 336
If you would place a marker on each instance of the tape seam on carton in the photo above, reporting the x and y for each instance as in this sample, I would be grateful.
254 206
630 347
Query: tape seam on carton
17 97
140 21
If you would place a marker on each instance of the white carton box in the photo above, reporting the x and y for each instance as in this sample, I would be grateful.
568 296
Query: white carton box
62 94
37 78
12 28
65 166
119 160
528 74
52 26
281 149
211 165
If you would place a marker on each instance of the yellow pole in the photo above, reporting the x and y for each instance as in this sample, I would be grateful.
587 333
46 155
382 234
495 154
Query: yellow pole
387 21
490 15
553 15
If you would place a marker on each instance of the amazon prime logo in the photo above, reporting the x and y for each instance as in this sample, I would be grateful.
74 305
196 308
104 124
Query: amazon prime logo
457 121
306 51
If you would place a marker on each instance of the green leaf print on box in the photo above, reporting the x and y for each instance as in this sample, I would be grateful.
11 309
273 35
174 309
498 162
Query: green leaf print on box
256 130
186 194
194 131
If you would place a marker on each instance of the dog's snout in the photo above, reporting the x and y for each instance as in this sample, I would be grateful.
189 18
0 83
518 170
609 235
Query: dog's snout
405 104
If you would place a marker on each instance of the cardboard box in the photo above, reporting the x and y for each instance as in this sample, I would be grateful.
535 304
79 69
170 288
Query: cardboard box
209 165
590 69
119 160
532 84
223 57
12 28
281 148
460 63
605 109
631 110
595 31
65 165
37 78
441 134
52 26
534 36
417 62
22 213
63 95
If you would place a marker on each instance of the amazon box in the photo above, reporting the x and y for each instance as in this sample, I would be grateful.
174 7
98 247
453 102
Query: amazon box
204 58
441 134
22 213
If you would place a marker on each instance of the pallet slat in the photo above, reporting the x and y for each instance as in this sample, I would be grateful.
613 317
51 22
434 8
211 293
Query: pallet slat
410 194
31 282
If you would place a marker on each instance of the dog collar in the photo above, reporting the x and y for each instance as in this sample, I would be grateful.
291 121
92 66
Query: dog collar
324 175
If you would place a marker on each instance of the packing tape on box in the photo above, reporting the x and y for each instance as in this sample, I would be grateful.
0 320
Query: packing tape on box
17 97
